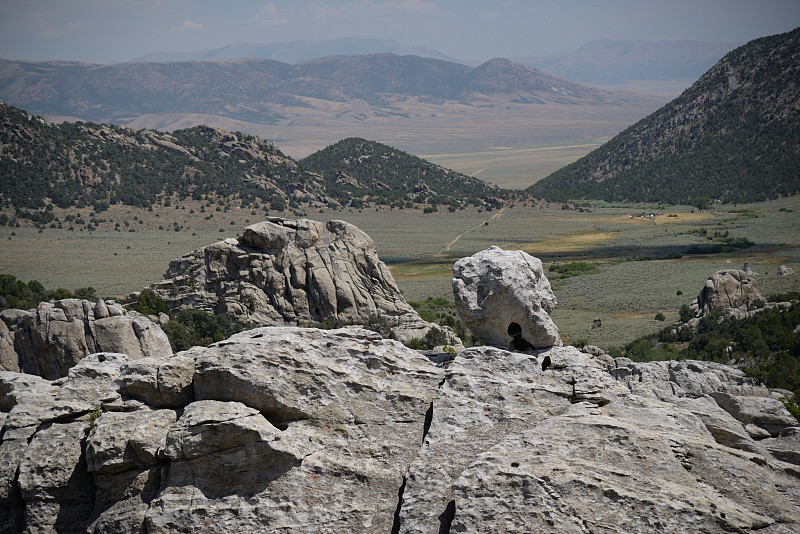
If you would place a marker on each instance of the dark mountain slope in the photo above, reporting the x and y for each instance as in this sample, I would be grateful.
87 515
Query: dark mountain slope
82 164
369 171
733 136
92 164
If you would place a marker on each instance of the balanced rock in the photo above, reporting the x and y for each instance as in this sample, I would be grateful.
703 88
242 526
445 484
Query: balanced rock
288 272
505 299
729 288
51 339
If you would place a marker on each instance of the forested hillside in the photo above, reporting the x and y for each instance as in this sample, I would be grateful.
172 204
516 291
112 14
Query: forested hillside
85 164
732 136
366 171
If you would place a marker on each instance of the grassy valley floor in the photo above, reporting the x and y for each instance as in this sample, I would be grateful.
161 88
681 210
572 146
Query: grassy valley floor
642 267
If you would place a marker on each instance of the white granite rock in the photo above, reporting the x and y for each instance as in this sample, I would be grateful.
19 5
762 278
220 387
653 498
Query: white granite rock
505 299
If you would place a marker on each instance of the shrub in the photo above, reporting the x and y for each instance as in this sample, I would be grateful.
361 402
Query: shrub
150 303
381 326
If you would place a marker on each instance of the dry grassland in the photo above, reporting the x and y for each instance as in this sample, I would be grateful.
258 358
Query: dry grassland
634 281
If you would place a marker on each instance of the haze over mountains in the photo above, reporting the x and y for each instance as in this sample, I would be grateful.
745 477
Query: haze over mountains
297 51
659 67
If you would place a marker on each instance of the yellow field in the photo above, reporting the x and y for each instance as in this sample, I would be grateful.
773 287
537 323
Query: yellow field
571 242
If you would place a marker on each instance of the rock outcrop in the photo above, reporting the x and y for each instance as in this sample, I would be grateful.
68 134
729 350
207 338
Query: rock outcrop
549 441
51 339
273 430
287 272
728 288
288 429
505 299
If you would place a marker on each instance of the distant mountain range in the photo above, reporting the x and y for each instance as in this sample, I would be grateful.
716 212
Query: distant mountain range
86 164
660 67
260 90
732 136
296 51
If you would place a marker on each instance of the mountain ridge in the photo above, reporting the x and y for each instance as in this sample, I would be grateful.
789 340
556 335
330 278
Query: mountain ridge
260 89
80 164
296 51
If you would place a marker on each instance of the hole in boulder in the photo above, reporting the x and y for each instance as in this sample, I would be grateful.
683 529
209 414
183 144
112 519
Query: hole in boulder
517 341
546 363
514 464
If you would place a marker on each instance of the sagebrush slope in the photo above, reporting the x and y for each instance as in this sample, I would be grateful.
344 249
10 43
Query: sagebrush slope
732 136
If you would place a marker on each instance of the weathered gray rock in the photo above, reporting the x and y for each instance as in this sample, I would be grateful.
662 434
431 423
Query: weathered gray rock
348 403
505 299
684 378
159 382
57 490
9 360
786 446
23 398
764 412
729 288
287 272
516 445
785 271
303 430
50 340
487 394
123 441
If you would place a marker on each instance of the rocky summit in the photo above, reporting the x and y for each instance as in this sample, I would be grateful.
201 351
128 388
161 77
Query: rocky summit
289 429
286 429
287 272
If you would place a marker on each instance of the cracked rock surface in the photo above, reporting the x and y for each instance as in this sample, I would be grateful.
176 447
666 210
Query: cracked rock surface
287 429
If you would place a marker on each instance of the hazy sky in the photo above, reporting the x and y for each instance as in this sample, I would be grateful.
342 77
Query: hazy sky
107 31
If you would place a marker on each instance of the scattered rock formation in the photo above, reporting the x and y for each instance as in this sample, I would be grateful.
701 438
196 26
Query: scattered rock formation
51 339
785 271
728 288
505 299
287 429
287 272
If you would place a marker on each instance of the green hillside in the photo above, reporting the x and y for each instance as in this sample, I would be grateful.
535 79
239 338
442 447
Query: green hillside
80 164
733 136
365 171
